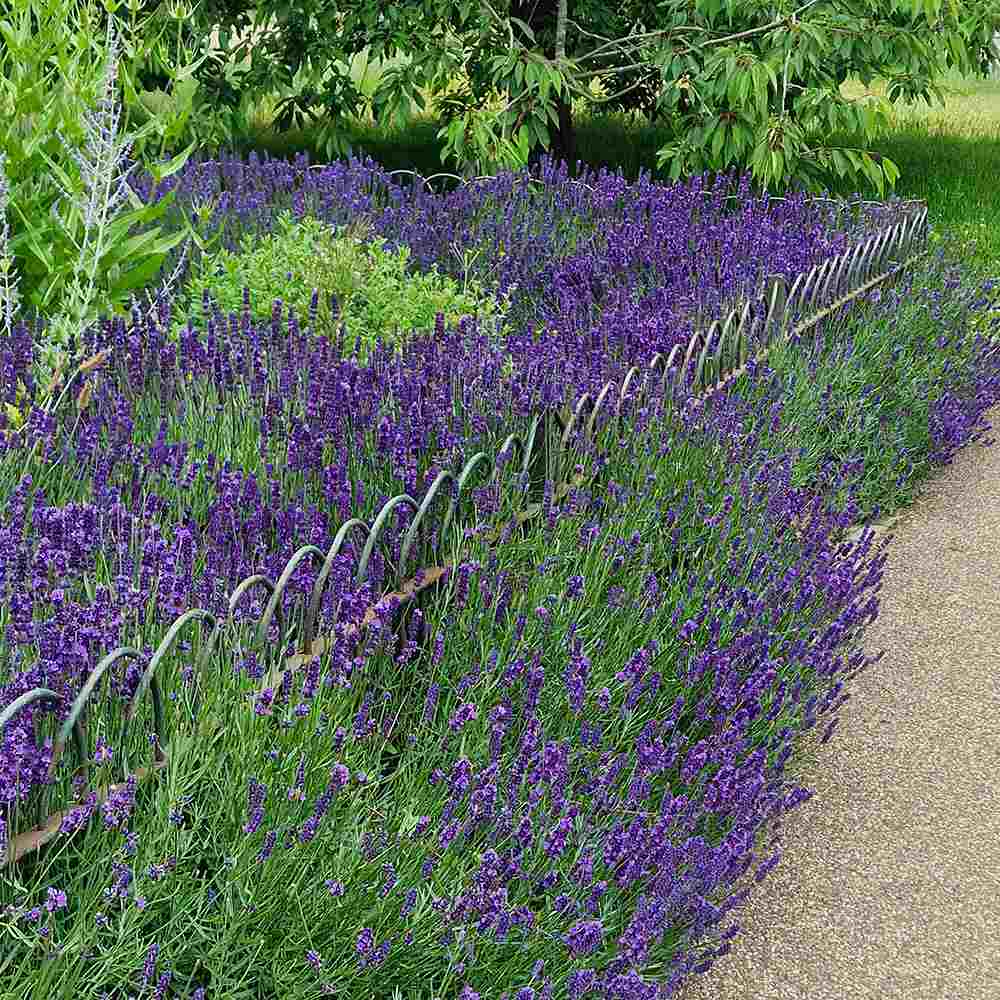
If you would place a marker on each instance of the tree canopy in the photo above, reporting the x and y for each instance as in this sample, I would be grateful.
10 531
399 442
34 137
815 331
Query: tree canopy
748 84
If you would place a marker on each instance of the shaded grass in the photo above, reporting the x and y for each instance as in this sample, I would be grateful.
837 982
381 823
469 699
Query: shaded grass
950 157
957 176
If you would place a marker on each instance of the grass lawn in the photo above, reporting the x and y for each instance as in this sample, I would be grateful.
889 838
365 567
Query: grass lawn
950 157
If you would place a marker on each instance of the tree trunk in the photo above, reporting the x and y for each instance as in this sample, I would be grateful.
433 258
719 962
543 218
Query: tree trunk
564 141
564 136
548 16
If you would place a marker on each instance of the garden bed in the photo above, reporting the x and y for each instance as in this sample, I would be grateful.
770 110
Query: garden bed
547 768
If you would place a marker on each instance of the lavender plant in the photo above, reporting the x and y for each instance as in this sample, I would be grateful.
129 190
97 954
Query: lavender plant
529 239
898 396
333 422
547 778
498 785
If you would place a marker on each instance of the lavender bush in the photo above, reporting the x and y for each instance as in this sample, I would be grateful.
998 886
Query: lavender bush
554 780
612 275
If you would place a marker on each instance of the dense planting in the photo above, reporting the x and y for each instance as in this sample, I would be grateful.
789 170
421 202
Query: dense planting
613 271
546 779
196 464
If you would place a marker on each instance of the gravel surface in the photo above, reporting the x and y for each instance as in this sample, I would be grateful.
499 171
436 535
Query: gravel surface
889 885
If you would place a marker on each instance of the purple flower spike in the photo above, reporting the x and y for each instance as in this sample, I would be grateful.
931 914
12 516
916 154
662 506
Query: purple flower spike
584 937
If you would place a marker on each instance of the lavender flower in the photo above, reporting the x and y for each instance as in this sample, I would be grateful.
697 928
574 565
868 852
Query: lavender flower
584 937
365 942
149 966
117 807
56 900
466 712
267 848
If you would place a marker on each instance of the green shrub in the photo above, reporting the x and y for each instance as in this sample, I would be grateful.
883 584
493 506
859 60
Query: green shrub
375 295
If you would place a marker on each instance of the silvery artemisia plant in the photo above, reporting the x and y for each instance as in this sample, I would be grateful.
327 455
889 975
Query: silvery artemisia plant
8 275
102 171
111 260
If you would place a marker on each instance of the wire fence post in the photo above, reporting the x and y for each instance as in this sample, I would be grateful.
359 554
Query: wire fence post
776 298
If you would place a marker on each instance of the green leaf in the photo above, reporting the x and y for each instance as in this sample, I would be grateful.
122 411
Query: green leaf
135 277
30 236
69 185
160 172
539 131
523 142
524 27
891 171
873 173
718 141
760 88
778 164
133 246
544 85
735 85
771 74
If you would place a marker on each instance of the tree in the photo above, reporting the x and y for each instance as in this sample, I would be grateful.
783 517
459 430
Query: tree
743 83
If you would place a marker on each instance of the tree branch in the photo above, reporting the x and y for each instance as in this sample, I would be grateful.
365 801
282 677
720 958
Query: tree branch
620 93
615 70
610 46
601 38
561 16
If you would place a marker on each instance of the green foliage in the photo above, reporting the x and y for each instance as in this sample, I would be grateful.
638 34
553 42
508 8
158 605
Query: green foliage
157 65
76 246
49 74
883 370
51 71
986 323
375 296
745 84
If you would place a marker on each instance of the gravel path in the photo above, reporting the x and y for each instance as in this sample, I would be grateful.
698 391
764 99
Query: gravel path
889 886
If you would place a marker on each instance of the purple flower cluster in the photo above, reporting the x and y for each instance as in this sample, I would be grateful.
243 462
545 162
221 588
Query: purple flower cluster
611 271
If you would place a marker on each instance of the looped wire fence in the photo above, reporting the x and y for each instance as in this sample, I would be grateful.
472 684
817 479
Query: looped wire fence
709 362
841 205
